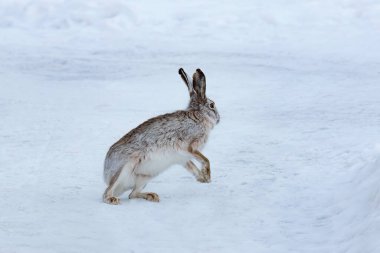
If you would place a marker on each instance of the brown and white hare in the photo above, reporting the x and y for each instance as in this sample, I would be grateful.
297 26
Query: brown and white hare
158 143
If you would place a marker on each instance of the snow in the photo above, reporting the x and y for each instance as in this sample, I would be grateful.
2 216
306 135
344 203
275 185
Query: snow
295 159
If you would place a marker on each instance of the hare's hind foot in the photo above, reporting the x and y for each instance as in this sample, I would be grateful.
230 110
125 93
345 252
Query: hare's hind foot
150 196
112 200
140 182
111 194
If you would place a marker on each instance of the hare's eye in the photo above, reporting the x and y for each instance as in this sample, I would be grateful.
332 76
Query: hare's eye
212 105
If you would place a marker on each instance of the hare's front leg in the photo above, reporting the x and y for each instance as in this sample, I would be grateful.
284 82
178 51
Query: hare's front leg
140 182
205 173
198 174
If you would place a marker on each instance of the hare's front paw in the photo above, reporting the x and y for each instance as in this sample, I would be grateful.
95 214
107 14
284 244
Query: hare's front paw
151 196
204 177
112 201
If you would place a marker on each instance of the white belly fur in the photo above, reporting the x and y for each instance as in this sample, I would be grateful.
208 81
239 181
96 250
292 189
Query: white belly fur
156 163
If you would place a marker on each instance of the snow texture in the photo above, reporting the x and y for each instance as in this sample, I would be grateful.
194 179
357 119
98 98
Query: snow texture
295 159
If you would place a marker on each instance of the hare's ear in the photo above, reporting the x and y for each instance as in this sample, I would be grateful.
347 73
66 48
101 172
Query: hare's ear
199 83
184 77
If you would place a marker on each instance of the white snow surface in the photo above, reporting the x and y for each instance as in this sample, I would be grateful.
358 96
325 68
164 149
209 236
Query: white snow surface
295 159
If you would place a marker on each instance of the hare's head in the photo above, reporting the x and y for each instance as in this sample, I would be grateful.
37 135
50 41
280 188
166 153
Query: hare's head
197 92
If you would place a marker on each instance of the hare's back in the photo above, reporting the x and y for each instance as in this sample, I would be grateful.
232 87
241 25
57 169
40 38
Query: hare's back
163 131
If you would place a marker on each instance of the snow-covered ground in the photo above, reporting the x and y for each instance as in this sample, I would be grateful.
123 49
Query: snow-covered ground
295 159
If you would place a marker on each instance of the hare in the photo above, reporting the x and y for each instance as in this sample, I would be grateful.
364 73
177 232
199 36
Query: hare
158 143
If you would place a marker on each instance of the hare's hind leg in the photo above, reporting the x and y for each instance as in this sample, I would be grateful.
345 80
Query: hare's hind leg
140 182
110 195
120 182
112 198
